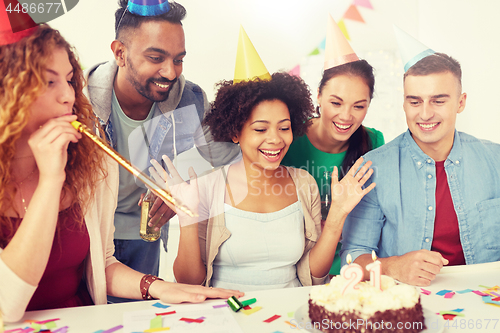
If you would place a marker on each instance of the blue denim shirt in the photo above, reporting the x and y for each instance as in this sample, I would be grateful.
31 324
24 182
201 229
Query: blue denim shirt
398 215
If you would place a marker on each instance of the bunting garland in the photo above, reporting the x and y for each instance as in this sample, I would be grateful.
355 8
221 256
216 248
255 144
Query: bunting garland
342 27
353 14
363 3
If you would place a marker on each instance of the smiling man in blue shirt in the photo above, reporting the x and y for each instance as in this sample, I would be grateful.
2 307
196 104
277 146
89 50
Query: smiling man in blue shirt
437 199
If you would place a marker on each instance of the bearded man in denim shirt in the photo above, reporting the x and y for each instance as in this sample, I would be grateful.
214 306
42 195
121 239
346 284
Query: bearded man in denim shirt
437 199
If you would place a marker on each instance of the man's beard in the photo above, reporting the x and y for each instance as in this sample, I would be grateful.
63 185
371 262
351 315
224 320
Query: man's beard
145 90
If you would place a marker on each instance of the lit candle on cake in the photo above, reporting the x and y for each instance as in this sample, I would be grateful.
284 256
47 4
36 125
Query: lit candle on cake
353 273
375 269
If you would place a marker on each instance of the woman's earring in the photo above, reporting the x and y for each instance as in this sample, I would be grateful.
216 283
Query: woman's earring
318 110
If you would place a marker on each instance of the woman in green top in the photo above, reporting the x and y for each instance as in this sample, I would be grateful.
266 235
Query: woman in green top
336 136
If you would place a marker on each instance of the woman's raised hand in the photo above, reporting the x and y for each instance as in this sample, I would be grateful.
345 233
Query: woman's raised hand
187 193
347 193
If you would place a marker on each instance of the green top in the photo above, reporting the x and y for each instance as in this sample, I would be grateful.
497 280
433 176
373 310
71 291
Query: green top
302 154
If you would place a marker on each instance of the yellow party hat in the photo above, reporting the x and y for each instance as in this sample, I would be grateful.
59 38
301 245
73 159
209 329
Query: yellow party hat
337 48
249 66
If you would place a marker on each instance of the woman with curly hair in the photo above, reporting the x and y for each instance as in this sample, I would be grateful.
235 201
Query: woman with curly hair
57 192
259 222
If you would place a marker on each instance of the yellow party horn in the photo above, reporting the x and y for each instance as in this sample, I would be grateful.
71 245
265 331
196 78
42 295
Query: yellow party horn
150 183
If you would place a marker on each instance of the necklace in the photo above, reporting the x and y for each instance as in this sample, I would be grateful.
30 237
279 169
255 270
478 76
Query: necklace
21 189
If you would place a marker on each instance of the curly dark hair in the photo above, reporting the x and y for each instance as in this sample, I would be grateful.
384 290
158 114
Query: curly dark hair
234 104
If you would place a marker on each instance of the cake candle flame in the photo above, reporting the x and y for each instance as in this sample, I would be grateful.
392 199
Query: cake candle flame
155 188
375 269
348 259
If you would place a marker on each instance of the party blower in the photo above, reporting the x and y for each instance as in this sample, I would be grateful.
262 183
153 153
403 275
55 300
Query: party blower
150 183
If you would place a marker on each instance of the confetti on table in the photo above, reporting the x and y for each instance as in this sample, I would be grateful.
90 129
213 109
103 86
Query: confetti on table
26 330
36 327
443 292
481 286
191 320
156 322
220 306
494 294
291 325
425 291
159 329
477 292
290 314
50 325
458 310
165 313
63 329
465 291
488 299
253 310
451 313
448 317
247 307
15 330
113 329
47 321
161 306
277 332
496 299
271 319
449 295
249 301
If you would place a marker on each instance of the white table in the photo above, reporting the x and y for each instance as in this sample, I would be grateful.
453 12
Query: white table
283 301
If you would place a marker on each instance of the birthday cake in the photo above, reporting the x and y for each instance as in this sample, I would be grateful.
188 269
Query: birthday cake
395 308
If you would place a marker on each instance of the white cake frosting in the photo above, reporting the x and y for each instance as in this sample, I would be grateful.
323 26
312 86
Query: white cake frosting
365 300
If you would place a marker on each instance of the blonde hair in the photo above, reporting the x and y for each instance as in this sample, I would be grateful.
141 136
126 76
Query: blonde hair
22 80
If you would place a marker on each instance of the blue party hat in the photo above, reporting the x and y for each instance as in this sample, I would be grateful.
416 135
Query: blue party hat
412 51
148 7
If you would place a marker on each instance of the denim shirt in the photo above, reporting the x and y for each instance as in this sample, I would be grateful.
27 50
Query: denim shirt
397 216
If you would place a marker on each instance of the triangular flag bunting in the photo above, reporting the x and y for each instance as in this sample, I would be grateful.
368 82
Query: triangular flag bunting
343 28
314 52
353 14
322 44
295 71
363 3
